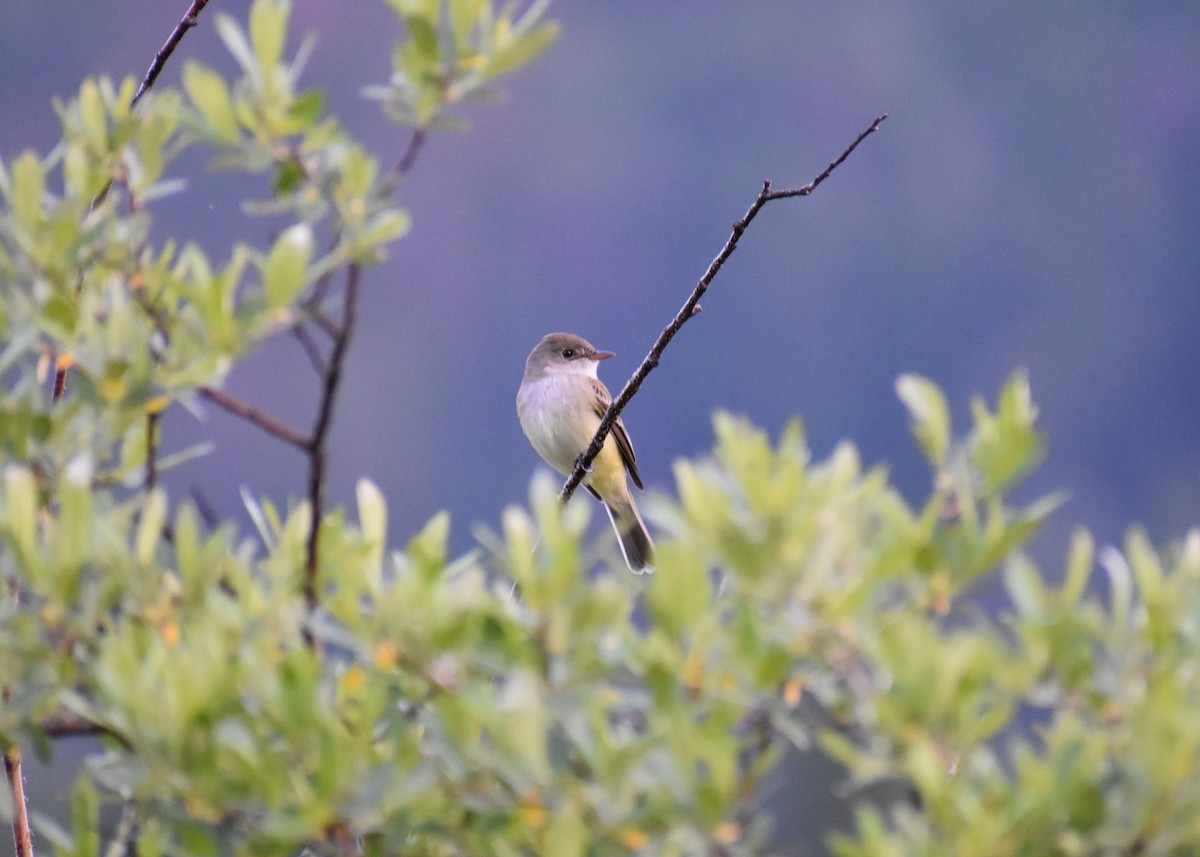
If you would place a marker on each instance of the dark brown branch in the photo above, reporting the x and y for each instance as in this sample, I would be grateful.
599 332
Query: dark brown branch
22 837
409 156
60 384
272 426
316 443
151 450
311 349
64 725
322 321
190 18
692 306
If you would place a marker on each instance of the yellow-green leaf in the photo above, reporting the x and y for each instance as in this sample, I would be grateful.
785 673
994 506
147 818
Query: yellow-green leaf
930 415
210 96
284 272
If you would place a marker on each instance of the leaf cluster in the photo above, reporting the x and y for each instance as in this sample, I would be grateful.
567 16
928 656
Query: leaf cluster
529 697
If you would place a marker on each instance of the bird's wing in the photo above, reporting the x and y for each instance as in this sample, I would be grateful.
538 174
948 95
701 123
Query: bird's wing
600 402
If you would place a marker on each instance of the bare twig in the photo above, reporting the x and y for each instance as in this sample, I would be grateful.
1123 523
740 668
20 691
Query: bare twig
60 383
316 442
271 425
151 450
190 18
409 156
311 349
692 305
330 370
63 725
22 837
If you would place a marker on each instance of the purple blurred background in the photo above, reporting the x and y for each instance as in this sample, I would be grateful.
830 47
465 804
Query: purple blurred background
1033 200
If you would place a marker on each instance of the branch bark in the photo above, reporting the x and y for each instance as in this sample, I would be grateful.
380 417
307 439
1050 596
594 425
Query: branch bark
317 441
692 306
22 837
190 18
256 417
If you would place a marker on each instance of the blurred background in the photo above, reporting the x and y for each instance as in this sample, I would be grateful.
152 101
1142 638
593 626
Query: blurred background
1032 201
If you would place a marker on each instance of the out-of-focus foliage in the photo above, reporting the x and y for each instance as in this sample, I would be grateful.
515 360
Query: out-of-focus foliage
531 697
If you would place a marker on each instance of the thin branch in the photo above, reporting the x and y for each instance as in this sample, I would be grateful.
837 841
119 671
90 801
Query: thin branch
316 443
311 349
64 725
151 450
692 306
271 425
409 156
60 383
22 837
190 18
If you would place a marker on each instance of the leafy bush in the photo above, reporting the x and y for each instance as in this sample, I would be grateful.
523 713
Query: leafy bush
311 688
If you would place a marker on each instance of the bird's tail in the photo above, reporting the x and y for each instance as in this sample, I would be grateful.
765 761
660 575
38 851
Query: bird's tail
636 546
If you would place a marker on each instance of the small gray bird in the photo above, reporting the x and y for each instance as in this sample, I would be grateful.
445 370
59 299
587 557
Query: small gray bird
560 403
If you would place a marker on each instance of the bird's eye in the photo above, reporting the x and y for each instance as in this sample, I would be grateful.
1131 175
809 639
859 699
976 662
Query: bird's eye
568 353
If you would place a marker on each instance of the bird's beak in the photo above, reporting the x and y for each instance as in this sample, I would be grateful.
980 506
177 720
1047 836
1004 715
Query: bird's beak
603 355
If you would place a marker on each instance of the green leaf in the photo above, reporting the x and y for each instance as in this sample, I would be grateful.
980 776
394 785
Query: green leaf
268 29
567 836
427 550
520 51
465 16
285 270
150 527
305 110
85 818
20 511
289 176
28 187
1079 567
1120 580
382 229
1006 445
95 117
372 517
929 413
71 538
210 96
1025 588
234 37
523 719
422 31
680 591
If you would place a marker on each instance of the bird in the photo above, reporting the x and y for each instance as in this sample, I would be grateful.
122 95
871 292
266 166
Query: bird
560 403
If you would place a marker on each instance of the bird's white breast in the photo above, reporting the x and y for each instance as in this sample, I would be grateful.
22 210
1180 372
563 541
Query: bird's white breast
557 416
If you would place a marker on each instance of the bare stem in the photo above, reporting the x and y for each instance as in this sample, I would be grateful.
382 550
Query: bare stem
409 156
256 417
692 306
190 18
151 451
316 446
60 383
22 837
311 349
